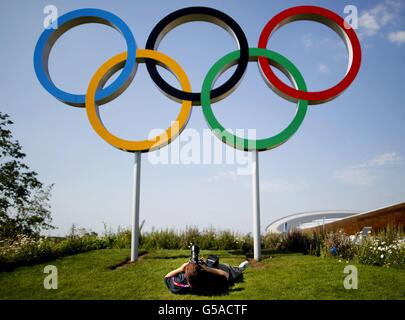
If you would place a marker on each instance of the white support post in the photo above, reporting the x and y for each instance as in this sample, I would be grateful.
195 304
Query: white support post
135 207
256 206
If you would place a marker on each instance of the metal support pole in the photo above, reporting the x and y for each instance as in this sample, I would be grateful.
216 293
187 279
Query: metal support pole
256 206
135 207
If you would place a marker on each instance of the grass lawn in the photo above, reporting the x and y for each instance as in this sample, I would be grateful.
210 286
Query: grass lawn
282 276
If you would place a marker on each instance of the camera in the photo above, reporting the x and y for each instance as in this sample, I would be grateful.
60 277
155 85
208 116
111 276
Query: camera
195 250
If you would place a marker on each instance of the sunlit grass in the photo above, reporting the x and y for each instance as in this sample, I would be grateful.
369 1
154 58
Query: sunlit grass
281 276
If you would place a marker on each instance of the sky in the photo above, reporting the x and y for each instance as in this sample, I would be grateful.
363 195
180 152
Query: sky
348 154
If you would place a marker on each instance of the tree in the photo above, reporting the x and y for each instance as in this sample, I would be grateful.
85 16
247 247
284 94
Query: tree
24 207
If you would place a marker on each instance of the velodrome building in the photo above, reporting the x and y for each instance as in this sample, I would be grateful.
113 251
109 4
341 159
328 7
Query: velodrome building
309 219
350 221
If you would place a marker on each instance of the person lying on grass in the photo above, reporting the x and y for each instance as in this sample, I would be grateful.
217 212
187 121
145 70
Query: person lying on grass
199 278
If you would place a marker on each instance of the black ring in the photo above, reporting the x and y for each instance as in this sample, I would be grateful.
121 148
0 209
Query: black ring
198 14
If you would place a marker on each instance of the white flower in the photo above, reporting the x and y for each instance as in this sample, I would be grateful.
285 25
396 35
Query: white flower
382 256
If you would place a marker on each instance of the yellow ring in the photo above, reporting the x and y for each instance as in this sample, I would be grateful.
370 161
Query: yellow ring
101 77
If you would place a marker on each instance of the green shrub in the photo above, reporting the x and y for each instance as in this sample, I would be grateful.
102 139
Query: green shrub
382 252
123 239
272 241
208 239
340 245
228 240
383 248
190 236
247 244
26 251
295 241
386 248
315 243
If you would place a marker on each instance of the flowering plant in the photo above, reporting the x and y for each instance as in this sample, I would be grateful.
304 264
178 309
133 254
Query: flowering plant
381 252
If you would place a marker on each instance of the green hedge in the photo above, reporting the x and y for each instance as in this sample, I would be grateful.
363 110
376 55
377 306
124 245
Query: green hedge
386 248
26 251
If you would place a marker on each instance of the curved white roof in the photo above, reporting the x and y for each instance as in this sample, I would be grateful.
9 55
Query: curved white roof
308 219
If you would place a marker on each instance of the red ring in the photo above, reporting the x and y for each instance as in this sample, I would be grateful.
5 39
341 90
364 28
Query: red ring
320 15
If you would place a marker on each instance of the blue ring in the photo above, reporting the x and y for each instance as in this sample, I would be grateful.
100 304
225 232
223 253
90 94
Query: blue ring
68 21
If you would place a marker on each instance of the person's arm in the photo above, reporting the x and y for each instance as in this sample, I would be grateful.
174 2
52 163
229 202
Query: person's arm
216 271
176 271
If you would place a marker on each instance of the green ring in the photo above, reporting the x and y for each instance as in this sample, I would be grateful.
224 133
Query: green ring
278 61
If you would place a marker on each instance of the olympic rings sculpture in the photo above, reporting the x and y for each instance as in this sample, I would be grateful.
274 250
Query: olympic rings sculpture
128 61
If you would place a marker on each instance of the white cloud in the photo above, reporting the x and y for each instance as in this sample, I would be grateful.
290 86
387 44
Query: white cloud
395 4
307 40
267 186
280 186
373 20
368 24
397 37
355 176
384 159
226 175
322 68
364 174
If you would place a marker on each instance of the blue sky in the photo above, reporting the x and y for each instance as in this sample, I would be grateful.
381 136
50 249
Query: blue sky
348 154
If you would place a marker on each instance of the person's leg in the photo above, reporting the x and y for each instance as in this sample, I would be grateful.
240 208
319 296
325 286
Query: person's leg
234 272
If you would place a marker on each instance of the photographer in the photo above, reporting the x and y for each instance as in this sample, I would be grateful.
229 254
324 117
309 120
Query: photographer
203 277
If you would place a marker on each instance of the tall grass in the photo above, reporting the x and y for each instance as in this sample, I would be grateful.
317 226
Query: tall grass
207 239
385 248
